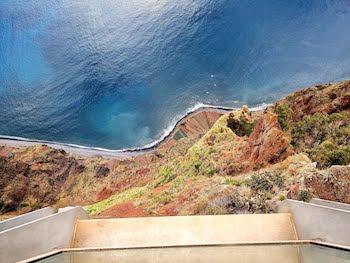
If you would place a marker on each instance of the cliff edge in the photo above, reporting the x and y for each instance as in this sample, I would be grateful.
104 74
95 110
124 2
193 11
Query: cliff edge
213 163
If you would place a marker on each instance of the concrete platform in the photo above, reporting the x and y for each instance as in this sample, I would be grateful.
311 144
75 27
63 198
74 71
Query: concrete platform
330 204
39 236
26 218
183 230
206 254
319 222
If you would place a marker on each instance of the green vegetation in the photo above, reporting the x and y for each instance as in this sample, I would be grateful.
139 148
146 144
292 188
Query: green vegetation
304 196
320 127
277 180
166 175
214 211
162 199
2 206
260 183
210 171
197 165
178 182
125 196
314 126
179 135
37 205
240 126
233 181
342 135
265 182
284 114
327 154
325 138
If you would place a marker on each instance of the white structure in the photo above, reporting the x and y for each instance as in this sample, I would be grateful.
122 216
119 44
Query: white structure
320 222
22 219
40 235
44 231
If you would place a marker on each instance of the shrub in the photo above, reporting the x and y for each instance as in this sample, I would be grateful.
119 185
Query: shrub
339 156
2 206
315 126
342 135
210 171
37 205
260 183
241 126
197 164
328 154
304 196
281 198
284 114
278 180
340 116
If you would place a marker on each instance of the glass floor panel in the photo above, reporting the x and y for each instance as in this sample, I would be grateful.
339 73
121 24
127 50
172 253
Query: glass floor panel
211 254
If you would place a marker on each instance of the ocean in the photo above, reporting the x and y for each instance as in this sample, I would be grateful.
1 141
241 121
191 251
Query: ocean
119 74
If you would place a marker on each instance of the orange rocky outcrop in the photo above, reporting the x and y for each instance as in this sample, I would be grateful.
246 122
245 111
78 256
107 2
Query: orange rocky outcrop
267 144
327 98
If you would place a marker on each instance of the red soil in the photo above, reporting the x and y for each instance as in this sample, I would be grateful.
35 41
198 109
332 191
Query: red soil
127 209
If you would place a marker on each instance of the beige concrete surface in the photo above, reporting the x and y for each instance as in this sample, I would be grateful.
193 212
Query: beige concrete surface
25 218
183 230
238 254
39 236
316 222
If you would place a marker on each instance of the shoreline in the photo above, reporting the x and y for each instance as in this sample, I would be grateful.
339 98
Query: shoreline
88 151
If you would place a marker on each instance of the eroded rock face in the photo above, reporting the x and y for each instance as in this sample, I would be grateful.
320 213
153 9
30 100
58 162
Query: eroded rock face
328 98
199 123
330 184
268 144
37 180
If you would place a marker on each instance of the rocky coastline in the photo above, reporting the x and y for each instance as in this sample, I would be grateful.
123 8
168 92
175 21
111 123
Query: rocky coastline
215 161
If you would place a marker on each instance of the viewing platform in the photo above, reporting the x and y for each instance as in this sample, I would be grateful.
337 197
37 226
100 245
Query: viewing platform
290 234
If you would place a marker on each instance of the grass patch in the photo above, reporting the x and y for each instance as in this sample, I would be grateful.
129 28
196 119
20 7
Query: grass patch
162 199
166 175
125 196
233 181
178 182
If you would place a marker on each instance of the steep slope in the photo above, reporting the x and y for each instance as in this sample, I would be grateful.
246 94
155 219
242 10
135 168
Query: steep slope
212 163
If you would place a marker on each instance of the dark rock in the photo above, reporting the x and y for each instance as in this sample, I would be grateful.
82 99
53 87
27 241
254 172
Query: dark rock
102 171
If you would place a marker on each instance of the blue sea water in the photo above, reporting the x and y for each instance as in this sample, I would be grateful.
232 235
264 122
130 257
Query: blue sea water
116 74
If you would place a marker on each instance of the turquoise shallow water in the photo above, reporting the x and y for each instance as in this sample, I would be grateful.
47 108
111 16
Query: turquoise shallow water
117 74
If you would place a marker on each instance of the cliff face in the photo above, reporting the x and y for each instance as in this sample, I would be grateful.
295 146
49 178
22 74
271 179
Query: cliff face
213 163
